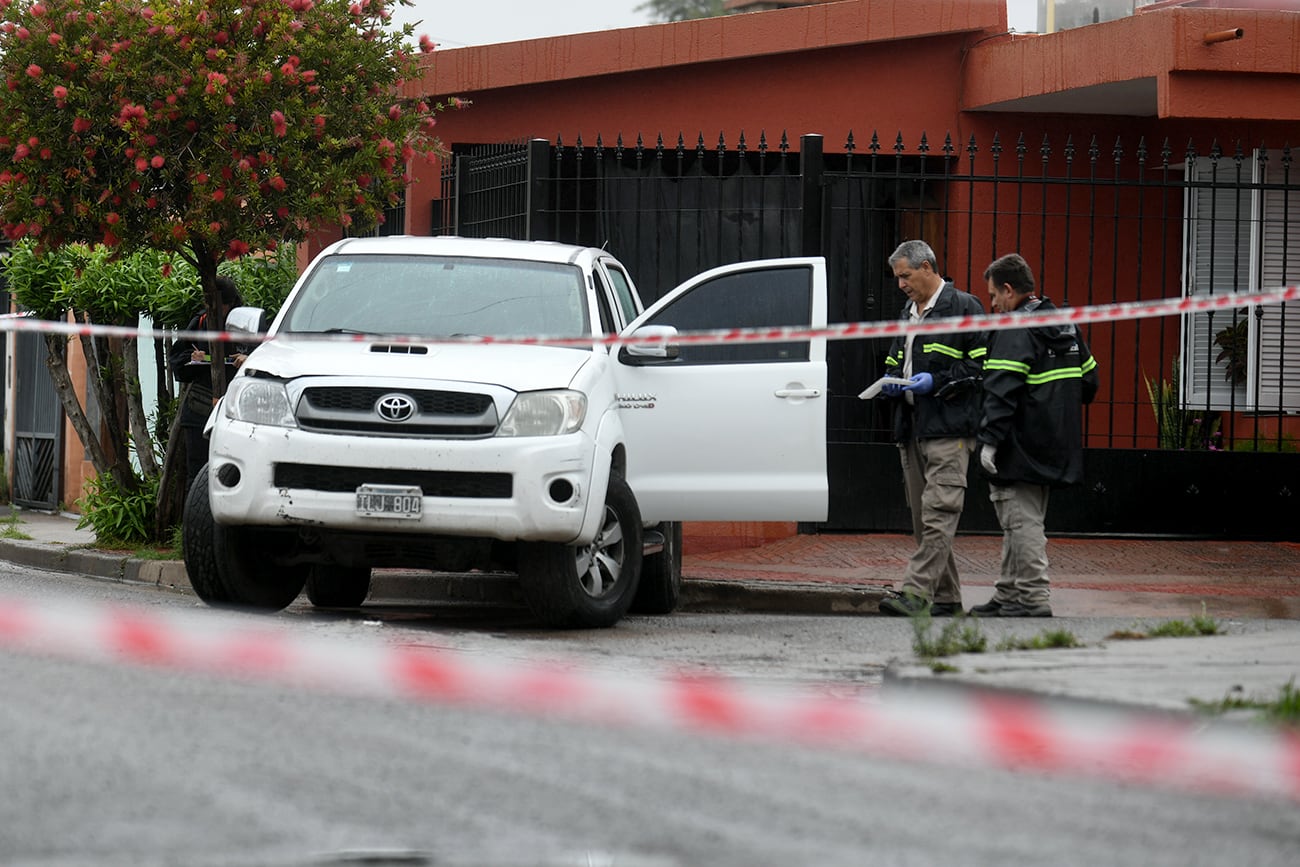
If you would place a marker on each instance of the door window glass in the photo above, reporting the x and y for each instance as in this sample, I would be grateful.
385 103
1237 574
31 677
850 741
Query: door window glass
770 298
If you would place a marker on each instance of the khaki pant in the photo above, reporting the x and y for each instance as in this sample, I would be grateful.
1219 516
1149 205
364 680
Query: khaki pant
1021 510
934 476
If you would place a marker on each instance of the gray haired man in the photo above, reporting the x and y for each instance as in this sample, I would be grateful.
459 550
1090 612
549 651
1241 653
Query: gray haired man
935 418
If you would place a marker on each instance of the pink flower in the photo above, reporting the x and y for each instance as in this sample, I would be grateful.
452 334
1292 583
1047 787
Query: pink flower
141 164
112 218
54 39
427 45
157 161
278 183
60 92
279 124
34 71
80 125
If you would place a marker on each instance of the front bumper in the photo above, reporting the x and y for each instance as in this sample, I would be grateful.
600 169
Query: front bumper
548 490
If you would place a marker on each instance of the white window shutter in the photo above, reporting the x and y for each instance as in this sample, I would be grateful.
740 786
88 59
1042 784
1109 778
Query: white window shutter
1275 369
1219 243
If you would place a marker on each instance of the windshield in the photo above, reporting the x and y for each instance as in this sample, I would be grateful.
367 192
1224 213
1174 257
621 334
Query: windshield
440 296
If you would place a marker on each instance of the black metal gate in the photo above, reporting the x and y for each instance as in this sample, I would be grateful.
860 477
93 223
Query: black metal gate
1079 214
38 427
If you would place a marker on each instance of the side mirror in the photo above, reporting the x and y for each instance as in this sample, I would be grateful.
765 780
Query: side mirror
246 320
660 350
249 320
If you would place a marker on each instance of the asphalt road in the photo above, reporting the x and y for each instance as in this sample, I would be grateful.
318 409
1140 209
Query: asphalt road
113 765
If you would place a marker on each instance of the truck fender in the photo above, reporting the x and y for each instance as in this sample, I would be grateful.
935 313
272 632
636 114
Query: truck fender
609 436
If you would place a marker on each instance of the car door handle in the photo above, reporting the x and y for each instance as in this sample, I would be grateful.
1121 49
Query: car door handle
787 393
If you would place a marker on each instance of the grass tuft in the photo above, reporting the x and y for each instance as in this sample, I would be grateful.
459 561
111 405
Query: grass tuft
1284 710
9 526
959 635
1200 624
1052 638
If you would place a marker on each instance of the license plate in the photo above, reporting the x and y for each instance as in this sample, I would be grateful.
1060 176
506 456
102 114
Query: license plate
389 501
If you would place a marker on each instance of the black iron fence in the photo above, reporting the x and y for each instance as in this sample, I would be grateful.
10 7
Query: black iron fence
1198 410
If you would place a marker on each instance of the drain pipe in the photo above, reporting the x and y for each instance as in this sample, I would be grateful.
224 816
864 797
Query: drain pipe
1223 36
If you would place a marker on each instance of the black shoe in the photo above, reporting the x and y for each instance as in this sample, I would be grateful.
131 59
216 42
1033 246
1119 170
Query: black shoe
906 605
989 609
1020 609
903 605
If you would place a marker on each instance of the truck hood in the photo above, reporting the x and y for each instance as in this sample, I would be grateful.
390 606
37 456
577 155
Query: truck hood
520 368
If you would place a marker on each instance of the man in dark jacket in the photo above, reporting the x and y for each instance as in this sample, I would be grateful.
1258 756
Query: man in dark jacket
935 418
1036 381
191 366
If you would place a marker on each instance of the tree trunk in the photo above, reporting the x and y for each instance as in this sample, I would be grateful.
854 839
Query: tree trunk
113 434
171 480
216 321
140 435
57 361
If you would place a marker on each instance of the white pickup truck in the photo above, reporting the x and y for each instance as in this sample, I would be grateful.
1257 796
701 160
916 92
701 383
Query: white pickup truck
374 429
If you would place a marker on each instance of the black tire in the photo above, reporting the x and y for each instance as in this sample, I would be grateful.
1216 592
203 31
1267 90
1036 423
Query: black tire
589 586
331 586
197 544
250 576
660 589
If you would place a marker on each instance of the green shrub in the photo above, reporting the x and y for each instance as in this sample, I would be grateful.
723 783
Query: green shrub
120 519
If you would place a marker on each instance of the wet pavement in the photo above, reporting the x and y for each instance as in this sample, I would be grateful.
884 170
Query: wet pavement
1251 588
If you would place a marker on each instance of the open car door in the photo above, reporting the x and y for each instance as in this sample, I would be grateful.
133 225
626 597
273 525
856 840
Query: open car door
730 431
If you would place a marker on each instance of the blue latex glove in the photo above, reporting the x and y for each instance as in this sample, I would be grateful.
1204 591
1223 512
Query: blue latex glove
922 383
891 389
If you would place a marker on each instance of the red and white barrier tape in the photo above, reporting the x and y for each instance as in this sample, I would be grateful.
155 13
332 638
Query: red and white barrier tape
972 728
1094 314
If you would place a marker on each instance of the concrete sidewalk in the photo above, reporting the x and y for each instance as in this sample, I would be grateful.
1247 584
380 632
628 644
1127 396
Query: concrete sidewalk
1252 588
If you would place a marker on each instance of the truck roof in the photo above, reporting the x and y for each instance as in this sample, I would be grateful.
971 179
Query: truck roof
448 245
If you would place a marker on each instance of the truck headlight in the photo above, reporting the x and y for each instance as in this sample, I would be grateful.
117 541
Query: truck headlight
544 414
259 401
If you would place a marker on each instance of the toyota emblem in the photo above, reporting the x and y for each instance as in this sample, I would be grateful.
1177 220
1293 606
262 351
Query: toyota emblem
395 407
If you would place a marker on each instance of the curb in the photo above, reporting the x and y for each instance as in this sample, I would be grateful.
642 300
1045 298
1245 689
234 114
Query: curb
918 679
164 574
784 597
703 595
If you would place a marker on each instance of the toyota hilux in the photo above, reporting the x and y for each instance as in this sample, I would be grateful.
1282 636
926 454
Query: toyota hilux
453 404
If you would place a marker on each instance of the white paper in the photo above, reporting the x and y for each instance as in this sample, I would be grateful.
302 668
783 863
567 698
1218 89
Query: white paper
875 387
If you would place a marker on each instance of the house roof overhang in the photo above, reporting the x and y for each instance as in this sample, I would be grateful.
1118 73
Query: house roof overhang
730 37
1168 63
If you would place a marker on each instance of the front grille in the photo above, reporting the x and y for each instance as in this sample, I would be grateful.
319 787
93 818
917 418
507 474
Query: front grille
434 483
429 402
347 409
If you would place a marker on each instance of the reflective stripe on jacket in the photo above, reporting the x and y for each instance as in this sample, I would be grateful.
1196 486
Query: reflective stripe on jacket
952 408
1036 381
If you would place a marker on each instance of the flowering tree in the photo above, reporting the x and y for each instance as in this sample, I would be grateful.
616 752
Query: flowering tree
204 128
